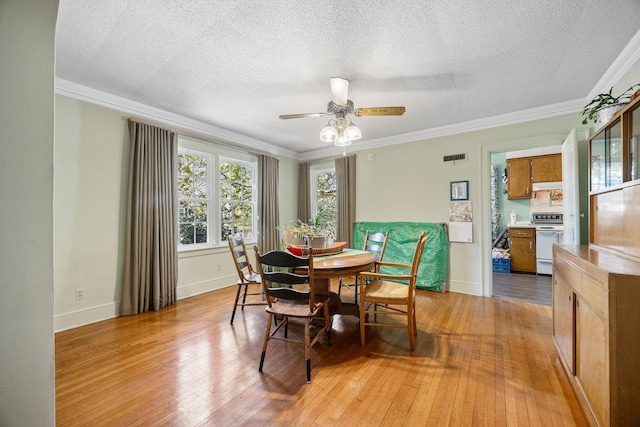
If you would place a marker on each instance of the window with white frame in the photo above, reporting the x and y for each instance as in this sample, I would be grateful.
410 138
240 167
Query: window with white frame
195 197
216 194
324 196
237 198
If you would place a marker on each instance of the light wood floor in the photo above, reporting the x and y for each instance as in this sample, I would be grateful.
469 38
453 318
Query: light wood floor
478 361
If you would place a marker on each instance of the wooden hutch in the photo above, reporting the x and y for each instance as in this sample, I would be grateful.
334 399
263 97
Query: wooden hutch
596 287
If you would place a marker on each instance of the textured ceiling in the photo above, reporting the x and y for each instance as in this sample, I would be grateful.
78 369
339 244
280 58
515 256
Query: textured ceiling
238 65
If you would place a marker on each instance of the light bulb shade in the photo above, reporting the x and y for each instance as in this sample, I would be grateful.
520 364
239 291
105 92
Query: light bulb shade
342 142
353 132
339 90
328 134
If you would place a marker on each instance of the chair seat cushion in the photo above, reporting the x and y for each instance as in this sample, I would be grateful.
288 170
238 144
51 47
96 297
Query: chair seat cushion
300 309
252 278
386 291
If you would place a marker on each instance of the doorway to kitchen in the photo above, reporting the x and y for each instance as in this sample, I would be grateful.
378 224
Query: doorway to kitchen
521 269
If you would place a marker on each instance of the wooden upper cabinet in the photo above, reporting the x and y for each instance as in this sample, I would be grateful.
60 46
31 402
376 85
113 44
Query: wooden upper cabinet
546 168
523 171
519 178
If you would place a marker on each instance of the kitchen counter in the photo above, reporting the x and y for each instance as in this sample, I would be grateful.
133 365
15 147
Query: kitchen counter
521 224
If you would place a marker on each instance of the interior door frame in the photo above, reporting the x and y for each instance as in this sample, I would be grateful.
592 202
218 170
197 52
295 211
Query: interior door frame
486 150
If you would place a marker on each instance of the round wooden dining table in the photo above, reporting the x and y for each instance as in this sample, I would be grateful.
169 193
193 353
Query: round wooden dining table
349 262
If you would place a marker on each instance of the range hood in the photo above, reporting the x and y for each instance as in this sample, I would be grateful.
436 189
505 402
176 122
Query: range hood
542 186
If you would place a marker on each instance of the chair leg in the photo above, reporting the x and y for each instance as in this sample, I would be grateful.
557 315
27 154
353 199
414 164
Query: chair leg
362 321
235 304
266 340
307 347
327 319
355 290
411 327
340 286
244 295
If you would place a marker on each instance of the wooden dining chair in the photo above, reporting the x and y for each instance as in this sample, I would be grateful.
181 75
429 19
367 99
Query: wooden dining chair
391 294
247 276
375 243
281 272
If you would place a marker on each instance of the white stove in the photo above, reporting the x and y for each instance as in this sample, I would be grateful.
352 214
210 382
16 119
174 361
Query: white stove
549 230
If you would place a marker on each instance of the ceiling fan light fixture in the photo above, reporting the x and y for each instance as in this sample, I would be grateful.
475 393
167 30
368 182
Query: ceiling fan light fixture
342 141
329 133
352 132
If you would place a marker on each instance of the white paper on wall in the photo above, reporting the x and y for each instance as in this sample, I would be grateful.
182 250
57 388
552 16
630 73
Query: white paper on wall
461 232
461 222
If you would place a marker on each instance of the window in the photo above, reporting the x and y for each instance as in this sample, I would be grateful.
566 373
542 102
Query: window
323 196
216 194
194 197
237 192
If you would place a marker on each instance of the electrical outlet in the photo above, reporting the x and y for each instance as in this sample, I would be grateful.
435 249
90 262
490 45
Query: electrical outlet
79 293
219 267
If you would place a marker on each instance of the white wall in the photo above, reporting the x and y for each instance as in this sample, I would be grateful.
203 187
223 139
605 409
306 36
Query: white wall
91 157
27 29
91 167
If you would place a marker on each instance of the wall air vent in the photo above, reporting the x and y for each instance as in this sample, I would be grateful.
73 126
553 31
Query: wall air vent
455 157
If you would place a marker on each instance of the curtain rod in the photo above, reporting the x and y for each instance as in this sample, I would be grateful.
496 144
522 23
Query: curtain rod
195 135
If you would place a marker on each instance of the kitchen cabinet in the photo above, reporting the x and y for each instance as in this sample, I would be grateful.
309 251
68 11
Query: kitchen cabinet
523 249
523 171
519 178
546 168
596 296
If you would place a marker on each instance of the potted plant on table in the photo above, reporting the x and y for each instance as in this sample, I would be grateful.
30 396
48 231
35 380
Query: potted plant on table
303 233
605 105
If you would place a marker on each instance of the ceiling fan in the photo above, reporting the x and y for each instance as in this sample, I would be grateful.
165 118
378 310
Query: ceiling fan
341 130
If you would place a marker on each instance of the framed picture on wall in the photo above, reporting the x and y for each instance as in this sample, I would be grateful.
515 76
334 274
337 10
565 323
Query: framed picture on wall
459 190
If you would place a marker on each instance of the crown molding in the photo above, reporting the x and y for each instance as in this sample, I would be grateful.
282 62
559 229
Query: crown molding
544 112
623 63
98 97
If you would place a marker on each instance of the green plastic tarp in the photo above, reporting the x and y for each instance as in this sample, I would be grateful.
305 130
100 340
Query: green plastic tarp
401 244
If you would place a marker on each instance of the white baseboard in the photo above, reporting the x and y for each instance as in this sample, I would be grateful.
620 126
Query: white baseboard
95 314
86 316
465 287
193 289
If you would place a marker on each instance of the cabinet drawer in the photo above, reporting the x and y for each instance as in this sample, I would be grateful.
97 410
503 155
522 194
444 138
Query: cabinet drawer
522 232
595 294
569 273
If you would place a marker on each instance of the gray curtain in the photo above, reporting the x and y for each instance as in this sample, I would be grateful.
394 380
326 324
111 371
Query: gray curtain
346 182
304 195
268 210
150 273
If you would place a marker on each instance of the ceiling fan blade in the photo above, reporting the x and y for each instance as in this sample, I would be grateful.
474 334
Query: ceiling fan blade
339 90
301 115
379 111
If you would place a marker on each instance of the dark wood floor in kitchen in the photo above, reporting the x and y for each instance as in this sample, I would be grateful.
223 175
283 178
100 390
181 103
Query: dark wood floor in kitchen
533 288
